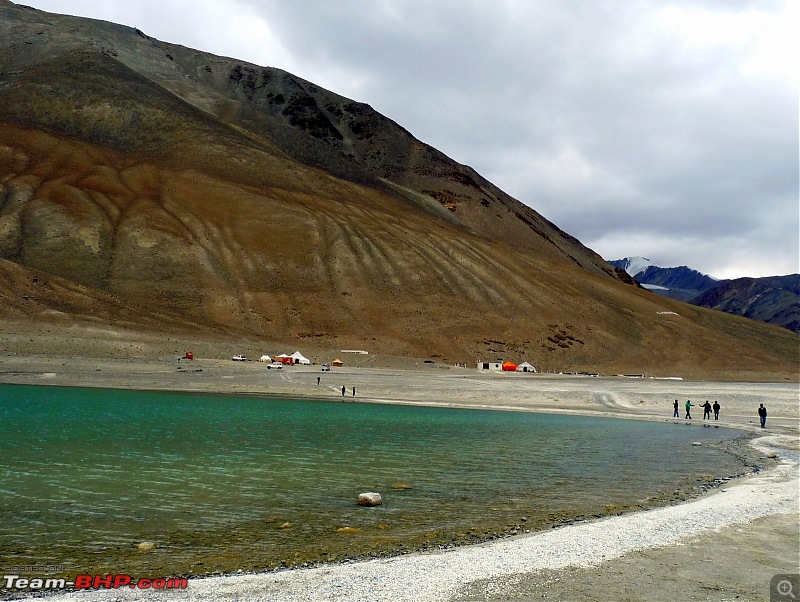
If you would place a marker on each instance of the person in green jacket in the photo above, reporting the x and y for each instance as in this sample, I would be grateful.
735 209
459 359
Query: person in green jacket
689 405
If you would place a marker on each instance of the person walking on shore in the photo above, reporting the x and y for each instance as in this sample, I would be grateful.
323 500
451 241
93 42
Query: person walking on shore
716 409
689 405
676 414
343 390
706 410
354 391
762 415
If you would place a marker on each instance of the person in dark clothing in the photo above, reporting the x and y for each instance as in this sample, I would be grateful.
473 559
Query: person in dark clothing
675 405
689 405
343 390
716 409
354 391
318 381
762 414
706 410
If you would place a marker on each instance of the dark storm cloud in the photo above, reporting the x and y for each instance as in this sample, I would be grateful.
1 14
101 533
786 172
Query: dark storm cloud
660 128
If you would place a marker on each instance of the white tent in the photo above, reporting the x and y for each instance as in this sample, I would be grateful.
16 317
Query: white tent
265 358
299 359
525 367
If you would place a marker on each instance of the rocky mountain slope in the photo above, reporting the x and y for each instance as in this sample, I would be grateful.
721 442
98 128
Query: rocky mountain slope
682 282
165 189
774 299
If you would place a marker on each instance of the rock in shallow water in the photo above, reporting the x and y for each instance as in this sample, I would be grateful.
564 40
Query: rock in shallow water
370 499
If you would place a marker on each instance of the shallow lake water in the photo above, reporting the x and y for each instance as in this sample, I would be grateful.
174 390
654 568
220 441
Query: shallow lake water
220 483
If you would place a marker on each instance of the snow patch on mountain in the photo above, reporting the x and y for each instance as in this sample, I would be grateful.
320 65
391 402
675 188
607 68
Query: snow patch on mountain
655 287
632 265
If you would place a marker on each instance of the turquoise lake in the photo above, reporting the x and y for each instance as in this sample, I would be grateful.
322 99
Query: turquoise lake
219 483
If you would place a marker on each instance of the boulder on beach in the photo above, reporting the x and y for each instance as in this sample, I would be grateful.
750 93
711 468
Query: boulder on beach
370 498
146 546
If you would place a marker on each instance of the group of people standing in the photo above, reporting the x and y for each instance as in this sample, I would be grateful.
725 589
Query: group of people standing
707 407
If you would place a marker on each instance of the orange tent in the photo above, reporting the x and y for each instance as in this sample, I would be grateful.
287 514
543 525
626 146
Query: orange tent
337 363
509 367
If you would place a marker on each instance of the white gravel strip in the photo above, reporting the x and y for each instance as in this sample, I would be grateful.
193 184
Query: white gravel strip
438 576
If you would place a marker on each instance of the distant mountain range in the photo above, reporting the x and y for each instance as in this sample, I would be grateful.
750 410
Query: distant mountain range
773 299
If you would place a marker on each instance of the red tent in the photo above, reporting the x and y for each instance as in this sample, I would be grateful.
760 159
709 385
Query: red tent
509 367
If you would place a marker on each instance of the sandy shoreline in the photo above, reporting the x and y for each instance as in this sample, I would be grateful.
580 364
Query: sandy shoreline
763 507
643 398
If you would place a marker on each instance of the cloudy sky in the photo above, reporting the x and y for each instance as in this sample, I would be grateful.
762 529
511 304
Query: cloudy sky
661 128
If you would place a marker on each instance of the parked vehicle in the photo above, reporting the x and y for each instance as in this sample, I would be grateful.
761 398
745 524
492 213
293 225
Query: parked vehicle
276 365
239 358
326 367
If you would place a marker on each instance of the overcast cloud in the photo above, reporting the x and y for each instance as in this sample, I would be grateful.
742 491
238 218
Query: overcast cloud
667 129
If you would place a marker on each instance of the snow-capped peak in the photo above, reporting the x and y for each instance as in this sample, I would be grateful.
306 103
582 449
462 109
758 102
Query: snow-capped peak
635 265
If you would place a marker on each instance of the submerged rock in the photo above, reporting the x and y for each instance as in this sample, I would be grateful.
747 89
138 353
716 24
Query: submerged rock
370 498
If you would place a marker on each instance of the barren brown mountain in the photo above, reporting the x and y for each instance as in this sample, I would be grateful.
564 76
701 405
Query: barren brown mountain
149 188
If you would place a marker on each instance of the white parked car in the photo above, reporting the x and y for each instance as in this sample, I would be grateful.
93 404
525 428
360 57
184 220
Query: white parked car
239 358
326 367
276 365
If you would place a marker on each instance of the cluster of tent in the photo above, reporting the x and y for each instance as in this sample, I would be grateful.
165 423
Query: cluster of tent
512 367
291 360
507 366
